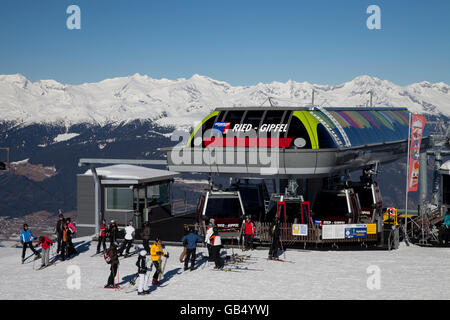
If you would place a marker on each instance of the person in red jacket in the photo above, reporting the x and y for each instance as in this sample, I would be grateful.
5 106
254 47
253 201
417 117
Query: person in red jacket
249 233
46 243
102 237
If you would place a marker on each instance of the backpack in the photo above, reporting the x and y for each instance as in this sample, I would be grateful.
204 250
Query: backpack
107 257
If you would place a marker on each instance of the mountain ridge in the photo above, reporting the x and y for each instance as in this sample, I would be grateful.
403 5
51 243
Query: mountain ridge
182 102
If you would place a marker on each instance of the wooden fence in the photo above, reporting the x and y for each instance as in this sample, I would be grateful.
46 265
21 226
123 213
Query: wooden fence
313 236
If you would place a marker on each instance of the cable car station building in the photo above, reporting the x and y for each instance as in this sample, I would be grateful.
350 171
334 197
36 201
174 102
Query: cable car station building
127 193
314 147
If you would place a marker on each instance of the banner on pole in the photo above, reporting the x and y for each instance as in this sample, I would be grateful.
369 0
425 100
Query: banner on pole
417 126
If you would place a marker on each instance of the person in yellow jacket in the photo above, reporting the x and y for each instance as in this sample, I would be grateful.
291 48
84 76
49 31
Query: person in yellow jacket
156 252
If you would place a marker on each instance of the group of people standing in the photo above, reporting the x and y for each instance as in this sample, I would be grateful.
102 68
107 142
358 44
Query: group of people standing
156 253
64 232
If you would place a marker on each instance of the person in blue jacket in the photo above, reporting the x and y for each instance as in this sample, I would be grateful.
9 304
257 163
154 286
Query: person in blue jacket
26 238
446 237
190 240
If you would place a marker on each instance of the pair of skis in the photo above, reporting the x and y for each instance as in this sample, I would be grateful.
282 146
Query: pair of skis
280 260
45 267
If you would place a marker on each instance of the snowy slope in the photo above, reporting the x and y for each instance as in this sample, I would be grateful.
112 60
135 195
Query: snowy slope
183 102
408 273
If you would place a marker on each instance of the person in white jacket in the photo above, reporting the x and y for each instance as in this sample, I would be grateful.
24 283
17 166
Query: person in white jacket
209 233
216 244
129 236
142 271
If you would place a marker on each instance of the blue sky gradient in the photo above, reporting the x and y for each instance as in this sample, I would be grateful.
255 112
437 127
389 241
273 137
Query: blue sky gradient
241 42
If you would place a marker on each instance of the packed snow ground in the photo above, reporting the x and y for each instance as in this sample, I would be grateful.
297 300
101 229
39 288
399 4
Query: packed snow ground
407 273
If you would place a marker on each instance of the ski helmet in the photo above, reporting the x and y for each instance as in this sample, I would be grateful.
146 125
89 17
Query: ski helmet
25 225
143 253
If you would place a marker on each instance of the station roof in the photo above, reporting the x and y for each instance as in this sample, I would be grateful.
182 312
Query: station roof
362 125
369 126
131 174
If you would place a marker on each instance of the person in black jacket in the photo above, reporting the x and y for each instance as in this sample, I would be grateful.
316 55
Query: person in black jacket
59 231
114 262
70 246
142 271
216 245
275 232
145 235
113 232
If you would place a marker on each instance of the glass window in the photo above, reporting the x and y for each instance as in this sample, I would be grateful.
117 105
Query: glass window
300 137
223 208
204 131
446 189
253 118
233 116
119 199
325 139
158 194
330 204
271 126
365 196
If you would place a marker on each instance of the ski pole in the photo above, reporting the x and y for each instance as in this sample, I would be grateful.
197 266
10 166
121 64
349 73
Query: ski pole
161 274
118 277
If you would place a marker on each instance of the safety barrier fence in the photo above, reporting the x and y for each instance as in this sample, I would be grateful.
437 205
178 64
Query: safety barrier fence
314 235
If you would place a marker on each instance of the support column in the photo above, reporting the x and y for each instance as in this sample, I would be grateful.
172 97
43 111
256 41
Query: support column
437 179
423 187
96 198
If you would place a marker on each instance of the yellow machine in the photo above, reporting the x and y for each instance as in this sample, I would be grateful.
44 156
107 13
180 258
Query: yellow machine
390 216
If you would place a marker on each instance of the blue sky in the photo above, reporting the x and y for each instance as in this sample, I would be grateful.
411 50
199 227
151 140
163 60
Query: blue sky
241 42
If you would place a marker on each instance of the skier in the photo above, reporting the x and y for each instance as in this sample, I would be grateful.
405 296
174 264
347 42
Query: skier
65 242
249 233
102 237
145 235
209 233
26 238
156 252
46 244
70 247
113 232
275 232
216 244
183 253
114 262
446 232
129 234
58 231
191 240
142 271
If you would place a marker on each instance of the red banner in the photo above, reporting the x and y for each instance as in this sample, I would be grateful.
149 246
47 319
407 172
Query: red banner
417 126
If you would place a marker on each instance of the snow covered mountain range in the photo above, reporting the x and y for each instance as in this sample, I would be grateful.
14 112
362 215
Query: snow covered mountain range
183 102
